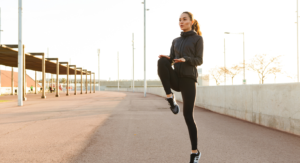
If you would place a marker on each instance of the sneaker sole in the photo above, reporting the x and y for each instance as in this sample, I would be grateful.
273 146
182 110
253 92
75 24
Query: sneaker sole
178 110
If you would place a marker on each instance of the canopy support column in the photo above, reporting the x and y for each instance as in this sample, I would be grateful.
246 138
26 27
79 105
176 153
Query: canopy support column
24 75
43 76
85 81
12 81
80 79
90 81
57 79
35 83
81 92
43 73
25 82
75 82
94 83
51 82
67 76
68 79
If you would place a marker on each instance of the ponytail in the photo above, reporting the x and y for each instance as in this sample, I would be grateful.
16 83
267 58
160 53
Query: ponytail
196 25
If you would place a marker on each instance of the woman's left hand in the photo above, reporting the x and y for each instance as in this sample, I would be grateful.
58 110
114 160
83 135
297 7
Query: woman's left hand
179 60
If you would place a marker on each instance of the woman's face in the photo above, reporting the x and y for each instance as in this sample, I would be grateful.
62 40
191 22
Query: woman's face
185 22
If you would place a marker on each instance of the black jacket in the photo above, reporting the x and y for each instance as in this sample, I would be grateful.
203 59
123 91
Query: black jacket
190 47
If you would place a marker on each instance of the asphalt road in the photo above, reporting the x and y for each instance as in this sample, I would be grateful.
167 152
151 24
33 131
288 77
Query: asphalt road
114 127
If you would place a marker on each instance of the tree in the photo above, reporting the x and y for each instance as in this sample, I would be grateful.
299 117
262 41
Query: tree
216 73
263 66
232 71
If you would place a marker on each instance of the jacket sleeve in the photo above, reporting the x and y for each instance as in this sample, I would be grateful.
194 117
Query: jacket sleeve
172 53
197 60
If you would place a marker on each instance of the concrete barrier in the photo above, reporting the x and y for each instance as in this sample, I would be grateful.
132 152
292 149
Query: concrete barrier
272 105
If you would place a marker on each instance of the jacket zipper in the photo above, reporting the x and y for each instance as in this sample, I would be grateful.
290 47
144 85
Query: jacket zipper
181 55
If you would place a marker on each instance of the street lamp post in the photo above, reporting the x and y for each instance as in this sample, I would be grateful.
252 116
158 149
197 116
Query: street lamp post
0 43
47 75
244 72
118 74
0 26
145 82
70 77
224 64
20 56
297 46
244 64
132 62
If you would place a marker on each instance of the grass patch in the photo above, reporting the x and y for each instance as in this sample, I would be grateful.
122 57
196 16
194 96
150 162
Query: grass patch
3 101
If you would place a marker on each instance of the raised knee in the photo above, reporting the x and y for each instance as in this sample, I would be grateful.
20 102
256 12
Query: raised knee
163 61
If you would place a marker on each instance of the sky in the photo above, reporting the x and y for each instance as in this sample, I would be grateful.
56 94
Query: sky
75 29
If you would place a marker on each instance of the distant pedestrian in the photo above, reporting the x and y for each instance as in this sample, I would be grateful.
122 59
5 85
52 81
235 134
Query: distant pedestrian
186 54
31 88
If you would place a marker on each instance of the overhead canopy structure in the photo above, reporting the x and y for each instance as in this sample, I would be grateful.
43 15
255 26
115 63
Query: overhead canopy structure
9 57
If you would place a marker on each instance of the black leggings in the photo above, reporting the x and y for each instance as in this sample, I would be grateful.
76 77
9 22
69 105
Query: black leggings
187 87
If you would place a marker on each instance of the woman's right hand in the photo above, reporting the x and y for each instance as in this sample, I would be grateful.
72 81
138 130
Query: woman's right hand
160 56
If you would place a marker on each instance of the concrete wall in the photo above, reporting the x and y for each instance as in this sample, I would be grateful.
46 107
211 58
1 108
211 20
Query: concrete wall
272 105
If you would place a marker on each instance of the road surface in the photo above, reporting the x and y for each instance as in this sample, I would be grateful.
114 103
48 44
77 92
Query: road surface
114 127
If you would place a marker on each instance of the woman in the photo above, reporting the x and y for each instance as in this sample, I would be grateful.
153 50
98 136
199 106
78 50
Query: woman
186 54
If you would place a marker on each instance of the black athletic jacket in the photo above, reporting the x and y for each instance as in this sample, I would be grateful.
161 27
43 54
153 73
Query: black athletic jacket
190 47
